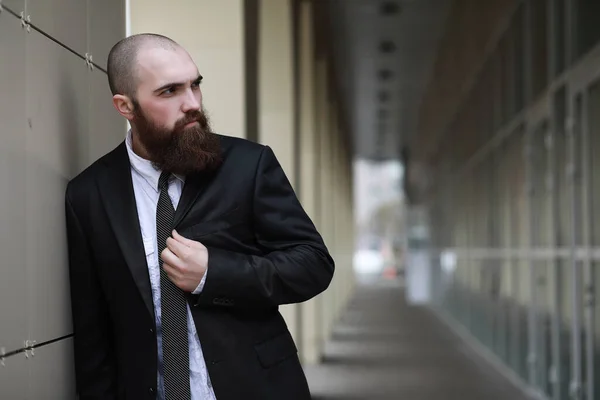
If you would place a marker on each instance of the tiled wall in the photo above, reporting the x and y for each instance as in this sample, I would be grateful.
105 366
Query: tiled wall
56 117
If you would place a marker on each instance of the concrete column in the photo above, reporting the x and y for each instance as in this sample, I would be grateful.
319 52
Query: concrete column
339 204
276 97
310 347
326 205
342 223
276 81
341 214
349 218
319 179
213 33
334 208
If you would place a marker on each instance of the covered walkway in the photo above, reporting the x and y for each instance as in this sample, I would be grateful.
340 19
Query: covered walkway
383 348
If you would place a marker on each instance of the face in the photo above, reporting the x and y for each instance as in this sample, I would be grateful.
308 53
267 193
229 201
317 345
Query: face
167 113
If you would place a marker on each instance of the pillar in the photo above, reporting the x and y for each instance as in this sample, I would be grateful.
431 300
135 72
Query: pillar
310 346
213 33
276 99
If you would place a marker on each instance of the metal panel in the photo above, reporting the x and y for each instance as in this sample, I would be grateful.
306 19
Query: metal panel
64 20
13 378
13 325
106 21
57 108
107 127
51 372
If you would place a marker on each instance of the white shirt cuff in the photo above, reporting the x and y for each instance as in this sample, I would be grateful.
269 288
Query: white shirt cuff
200 285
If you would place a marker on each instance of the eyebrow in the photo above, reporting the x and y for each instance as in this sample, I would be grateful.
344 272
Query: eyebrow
177 84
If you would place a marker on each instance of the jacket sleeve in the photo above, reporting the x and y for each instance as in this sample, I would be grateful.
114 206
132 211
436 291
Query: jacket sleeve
94 357
296 265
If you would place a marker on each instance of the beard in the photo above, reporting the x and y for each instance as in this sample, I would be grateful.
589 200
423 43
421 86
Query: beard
180 150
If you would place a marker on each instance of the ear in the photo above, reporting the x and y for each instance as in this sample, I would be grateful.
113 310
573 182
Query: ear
124 106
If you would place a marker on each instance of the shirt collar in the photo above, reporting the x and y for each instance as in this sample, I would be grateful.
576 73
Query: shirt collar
144 167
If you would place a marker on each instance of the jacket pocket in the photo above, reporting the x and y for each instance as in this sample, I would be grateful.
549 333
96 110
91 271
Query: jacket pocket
276 350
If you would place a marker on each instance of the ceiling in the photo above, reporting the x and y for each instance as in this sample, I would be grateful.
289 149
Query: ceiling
384 52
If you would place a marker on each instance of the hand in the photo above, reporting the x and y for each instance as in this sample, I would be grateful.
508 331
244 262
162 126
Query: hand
185 261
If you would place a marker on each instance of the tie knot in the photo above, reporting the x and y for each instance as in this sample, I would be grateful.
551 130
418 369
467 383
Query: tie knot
163 181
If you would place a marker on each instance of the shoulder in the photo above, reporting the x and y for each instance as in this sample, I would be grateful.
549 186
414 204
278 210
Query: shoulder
82 183
232 143
242 150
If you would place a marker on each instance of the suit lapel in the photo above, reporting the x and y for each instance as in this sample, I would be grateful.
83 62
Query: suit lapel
194 186
117 194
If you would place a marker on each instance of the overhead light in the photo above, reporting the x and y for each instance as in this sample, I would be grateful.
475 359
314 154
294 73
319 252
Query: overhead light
385 74
387 46
383 96
389 8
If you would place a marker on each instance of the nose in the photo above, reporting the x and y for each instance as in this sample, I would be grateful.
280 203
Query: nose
192 101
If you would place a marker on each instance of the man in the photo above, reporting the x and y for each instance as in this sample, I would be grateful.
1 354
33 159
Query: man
182 245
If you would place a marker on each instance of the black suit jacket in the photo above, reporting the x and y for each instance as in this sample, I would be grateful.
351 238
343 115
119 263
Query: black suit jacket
264 251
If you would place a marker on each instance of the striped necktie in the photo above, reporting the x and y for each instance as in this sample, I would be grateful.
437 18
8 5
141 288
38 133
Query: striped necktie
175 347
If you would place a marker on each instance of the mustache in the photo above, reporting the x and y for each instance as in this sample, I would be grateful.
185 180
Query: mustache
194 116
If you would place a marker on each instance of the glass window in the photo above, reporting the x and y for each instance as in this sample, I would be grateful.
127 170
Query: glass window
540 200
519 294
508 63
498 93
539 46
586 26
593 114
543 330
561 151
559 36
519 61
577 160
593 117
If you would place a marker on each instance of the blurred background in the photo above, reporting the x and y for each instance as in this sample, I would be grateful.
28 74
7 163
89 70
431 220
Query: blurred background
445 149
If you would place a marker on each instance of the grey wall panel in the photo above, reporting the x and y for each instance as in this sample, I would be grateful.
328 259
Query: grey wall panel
64 20
51 372
13 285
57 106
14 5
106 26
14 378
107 126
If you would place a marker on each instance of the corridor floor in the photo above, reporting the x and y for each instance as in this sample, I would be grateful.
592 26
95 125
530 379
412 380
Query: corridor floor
382 348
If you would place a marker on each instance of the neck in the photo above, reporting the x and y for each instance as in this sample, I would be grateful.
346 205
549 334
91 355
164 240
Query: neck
137 146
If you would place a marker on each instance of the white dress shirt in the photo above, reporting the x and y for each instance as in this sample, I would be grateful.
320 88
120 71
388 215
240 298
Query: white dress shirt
145 186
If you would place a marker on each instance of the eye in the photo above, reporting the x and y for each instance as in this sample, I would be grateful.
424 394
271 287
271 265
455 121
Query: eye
169 91
196 84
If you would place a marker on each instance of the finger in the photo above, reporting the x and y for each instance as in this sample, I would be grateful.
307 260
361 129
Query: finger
170 271
177 248
187 242
169 258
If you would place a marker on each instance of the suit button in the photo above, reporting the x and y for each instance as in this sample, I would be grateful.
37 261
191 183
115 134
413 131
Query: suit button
151 390
151 330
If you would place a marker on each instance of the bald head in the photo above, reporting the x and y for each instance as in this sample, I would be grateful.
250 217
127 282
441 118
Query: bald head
122 60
